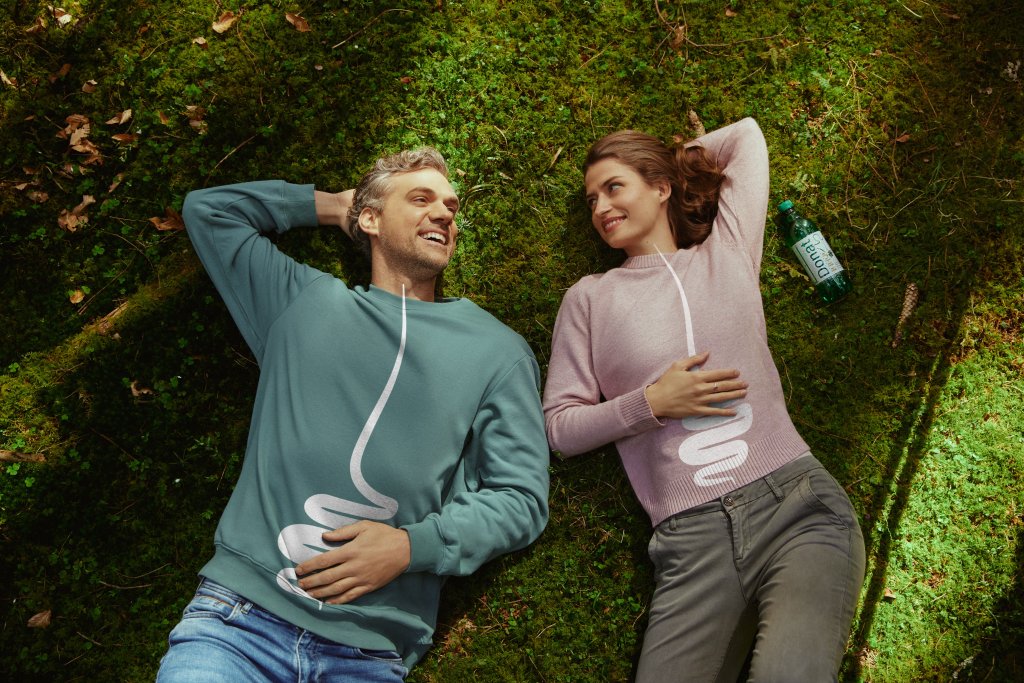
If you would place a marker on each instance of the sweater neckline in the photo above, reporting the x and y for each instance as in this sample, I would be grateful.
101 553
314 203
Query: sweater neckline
385 297
654 260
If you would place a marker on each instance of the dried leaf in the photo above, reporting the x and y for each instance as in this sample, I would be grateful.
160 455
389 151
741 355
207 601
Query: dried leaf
195 112
125 138
13 83
200 41
20 186
123 117
94 158
889 596
406 80
68 221
31 170
87 200
300 24
41 620
138 391
37 27
695 123
903 138
117 181
89 86
62 16
171 221
60 73
729 12
12 456
225 21
38 196
164 118
77 297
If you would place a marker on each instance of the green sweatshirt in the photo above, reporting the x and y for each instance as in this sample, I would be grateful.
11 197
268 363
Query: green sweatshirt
424 416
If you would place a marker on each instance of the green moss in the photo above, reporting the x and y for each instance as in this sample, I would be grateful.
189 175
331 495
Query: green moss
924 435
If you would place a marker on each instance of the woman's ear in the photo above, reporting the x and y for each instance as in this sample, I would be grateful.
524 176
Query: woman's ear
664 190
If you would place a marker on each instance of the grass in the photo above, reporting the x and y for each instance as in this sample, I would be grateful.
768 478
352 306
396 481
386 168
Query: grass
897 126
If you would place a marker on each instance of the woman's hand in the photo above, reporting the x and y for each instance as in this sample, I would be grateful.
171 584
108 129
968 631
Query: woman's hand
685 392
332 209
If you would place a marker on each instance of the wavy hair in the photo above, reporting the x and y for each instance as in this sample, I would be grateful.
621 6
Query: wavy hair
376 184
694 177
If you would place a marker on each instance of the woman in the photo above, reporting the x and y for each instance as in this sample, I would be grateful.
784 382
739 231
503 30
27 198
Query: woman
667 356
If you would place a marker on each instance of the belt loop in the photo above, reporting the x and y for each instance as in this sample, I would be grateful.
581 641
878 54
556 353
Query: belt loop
779 495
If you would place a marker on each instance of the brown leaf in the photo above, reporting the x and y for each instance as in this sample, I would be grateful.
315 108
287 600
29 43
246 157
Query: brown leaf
729 12
300 24
68 221
20 186
60 73
77 297
117 181
406 80
138 391
171 221
11 456
11 82
41 620
38 196
195 112
31 170
89 86
164 118
888 596
37 27
200 41
903 138
94 158
225 21
695 123
87 200
123 117
125 138
62 16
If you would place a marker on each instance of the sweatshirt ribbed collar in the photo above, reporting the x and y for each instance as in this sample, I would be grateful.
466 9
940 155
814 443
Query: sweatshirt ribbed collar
680 256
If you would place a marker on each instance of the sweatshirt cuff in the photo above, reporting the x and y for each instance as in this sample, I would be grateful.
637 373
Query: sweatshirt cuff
636 412
301 205
426 547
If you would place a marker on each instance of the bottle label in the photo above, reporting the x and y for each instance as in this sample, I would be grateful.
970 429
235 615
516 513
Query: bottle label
817 257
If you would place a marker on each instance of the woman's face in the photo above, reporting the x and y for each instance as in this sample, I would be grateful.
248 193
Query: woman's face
627 212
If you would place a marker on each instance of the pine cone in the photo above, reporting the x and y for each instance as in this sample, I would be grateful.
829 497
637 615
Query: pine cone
910 297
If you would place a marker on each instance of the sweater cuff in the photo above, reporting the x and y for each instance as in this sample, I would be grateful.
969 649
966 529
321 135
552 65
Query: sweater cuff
426 547
636 412
301 205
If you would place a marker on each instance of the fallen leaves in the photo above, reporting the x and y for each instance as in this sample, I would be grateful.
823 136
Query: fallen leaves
8 81
11 456
226 21
60 73
139 391
300 24
77 297
71 220
171 221
117 119
90 86
41 620
200 41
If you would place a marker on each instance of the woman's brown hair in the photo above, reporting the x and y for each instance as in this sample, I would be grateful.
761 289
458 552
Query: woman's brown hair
694 178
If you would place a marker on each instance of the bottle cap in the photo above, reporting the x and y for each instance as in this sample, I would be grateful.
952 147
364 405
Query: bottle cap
785 205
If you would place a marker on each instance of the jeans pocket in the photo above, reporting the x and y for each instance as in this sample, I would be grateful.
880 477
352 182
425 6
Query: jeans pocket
389 656
822 493
212 600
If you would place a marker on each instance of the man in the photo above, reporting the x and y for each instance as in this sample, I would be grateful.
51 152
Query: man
395 438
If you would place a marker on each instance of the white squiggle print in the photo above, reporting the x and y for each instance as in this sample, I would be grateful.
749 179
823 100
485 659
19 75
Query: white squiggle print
300 542
710 445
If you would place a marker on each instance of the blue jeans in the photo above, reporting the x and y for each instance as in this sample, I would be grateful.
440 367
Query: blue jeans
224 638
777 563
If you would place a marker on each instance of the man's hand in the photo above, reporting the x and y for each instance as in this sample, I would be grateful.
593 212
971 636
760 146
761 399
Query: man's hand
684 392
374 554
332 209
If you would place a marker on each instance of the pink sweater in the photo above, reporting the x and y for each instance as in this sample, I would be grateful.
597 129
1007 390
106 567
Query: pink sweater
617 332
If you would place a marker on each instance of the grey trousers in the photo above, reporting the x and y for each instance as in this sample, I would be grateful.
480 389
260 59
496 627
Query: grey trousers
777 564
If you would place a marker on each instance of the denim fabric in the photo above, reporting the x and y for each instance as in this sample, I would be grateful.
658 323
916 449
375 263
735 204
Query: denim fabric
224 638
777 564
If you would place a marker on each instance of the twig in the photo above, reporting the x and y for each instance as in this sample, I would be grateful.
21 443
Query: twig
368 25
243 143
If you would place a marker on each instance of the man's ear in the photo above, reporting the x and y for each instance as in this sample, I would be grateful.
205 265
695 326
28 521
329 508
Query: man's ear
369 221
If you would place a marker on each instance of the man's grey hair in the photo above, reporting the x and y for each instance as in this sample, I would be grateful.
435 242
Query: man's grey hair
376 184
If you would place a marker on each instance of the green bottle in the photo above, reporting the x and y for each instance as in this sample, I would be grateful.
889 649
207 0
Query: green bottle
809 245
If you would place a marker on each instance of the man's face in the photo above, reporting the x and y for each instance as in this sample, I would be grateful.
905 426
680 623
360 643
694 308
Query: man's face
415 232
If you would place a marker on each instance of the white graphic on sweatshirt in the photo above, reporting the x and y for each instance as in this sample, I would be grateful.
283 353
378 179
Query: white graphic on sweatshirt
300 542
714 445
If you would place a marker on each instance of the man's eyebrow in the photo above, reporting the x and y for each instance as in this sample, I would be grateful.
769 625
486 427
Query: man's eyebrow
428 191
